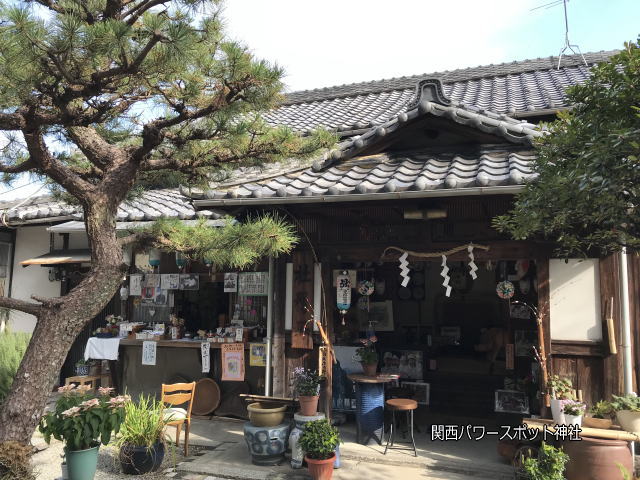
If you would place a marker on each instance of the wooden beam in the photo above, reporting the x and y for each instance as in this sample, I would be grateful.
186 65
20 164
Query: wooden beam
577 348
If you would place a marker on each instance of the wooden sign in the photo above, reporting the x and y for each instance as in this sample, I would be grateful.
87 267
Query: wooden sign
149 352
205 353
302 293
253 283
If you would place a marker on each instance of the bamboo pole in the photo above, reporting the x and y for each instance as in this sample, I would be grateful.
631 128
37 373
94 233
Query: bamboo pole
611 331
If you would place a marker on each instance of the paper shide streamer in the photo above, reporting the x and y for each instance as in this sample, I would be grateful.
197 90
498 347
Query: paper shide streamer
472 264
445 274
404 269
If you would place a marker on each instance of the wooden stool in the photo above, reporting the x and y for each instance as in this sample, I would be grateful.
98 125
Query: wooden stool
400 405
89 380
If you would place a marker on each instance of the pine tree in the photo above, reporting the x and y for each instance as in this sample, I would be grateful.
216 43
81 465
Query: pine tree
99 96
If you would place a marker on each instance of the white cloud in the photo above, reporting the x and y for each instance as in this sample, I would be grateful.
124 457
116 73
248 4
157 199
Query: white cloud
329 42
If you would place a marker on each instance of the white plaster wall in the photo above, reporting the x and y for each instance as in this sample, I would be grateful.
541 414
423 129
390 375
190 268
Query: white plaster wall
76 240
575 300
27 281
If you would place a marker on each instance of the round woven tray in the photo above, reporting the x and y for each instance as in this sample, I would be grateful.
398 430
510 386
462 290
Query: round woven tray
206 398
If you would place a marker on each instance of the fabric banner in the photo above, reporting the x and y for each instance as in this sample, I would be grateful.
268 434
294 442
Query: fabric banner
233 362
205 351
149 352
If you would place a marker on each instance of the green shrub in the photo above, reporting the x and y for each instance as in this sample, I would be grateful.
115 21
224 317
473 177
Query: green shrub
549 465
319 439
12 348
626 402
143 424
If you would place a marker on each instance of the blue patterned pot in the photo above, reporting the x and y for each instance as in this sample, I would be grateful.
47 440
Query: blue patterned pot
266 444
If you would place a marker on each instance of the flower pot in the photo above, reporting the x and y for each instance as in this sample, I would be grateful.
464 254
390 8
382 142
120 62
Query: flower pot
308 404
140 460
369 369
321 469
629 420
556 411
596 459
264 414
82 464
592 422
82 370
573 419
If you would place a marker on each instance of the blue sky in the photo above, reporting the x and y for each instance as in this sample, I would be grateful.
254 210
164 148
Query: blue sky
331 42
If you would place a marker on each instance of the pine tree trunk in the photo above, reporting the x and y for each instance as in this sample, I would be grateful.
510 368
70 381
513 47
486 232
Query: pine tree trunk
60 323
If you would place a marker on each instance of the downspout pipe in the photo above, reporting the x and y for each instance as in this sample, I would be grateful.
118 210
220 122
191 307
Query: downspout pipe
269 339
625 328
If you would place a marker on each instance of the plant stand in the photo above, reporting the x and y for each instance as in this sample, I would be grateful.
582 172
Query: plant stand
297 455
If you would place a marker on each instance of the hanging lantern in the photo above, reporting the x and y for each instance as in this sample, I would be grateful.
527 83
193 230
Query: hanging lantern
154 257
181 260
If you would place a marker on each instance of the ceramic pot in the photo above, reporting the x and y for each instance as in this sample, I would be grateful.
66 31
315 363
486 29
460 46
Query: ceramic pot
140 460
596 459
629 420
264 414
591 422
82 464
573 419
321 469
82 370
308 404
556 411
369 369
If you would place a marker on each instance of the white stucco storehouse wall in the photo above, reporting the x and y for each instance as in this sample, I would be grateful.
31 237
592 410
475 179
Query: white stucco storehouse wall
30 242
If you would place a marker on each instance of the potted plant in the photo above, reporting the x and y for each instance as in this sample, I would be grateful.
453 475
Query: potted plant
368 356
627 408
82 368
141 439
561 389
573 412
549 465
600 413
82 422
306 384
319 441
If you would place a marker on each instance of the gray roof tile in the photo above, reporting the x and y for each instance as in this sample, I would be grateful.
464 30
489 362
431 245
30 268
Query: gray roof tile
508 88
150 205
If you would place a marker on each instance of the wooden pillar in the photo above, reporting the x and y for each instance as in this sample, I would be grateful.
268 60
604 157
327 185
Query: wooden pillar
278 345
328 309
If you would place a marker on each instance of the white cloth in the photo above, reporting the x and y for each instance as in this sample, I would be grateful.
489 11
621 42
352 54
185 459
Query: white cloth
102 348
174 414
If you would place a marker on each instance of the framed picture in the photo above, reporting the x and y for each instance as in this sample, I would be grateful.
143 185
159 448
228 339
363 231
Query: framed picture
253 283
230 282
380 314
422 390
405 363
189 281
511 401
525 341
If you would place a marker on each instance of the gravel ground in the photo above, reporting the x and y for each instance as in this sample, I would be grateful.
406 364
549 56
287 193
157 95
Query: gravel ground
47 461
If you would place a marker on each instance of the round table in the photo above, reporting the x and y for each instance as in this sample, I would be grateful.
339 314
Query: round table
370 406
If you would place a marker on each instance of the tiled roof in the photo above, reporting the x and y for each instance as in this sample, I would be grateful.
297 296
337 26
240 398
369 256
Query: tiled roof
387 173
150 205
507 88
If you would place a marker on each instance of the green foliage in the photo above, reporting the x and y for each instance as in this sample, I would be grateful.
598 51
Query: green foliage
571 407
625 402
549 465
81 420
12 348
561 387
367 353
586 195
319 439
143 424
234 245
601 409
306 382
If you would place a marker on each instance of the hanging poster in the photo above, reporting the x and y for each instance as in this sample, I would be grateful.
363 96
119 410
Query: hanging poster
257 355
253 283
189 281
233 362
152 280
149 352
230 282
154 296
135 285
170 281
205 352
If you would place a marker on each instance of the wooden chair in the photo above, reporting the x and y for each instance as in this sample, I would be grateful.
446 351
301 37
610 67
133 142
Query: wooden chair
179 394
